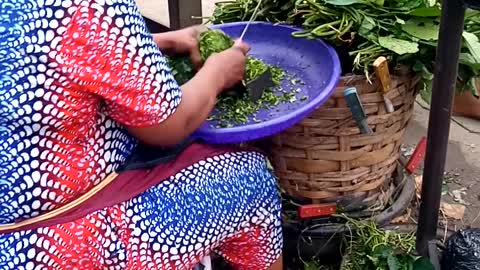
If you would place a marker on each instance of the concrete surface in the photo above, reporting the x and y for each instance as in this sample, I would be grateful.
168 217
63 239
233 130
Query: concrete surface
463 163
208 6
157 10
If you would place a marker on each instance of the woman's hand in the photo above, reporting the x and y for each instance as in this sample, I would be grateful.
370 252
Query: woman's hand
184 41
229 65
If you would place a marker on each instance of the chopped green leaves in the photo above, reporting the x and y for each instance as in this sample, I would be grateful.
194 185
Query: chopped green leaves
255 68
238 108
230 111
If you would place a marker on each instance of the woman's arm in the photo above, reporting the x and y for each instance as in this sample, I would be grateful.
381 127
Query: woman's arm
220 71
131 77
198 99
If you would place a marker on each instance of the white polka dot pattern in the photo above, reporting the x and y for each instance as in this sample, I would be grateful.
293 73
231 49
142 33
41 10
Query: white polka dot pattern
226 204
68 68
71 73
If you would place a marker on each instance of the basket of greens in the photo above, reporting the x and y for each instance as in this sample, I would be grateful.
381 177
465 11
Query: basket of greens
405 31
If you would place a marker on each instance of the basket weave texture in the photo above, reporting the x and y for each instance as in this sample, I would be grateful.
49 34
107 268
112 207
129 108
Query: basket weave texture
326 158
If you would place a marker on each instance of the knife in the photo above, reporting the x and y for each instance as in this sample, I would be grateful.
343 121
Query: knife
252 18
257 86
356 107
383 74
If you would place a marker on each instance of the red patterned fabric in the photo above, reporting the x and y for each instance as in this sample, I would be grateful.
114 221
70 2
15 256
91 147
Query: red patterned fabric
73 73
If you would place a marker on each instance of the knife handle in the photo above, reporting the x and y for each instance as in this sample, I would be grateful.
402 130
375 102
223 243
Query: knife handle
356 107
383 74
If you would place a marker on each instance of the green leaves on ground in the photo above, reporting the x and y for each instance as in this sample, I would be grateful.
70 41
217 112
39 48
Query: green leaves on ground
386 258
370 247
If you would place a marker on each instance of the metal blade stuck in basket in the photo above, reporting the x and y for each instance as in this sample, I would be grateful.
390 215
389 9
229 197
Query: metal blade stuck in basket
257 86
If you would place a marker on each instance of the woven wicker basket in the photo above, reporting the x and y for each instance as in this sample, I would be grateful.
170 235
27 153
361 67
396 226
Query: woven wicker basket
326 158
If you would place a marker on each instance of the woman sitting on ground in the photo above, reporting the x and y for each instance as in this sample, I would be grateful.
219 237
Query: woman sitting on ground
82 82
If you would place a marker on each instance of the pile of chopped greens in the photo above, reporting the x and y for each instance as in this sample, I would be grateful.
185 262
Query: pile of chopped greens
230 109
404 31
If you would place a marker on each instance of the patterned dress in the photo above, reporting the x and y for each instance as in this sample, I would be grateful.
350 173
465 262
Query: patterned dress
72 74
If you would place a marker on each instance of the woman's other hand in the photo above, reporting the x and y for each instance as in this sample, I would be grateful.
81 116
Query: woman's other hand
229 65
184 41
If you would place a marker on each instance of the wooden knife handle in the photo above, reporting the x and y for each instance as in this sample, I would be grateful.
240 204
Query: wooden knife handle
383 74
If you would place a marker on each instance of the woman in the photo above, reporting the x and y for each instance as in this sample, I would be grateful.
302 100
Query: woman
81 83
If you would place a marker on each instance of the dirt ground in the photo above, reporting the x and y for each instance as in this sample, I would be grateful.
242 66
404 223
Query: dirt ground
461 189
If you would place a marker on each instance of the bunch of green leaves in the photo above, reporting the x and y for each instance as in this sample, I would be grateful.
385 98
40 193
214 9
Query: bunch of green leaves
241 10
384 257
369 247
209 42
215 41
404 31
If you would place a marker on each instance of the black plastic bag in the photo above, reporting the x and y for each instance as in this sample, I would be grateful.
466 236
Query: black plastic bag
462 251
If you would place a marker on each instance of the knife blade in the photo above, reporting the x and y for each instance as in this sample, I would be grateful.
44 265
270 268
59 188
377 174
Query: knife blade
252 18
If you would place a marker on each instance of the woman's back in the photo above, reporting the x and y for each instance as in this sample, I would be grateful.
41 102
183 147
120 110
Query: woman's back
55 142
73 74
